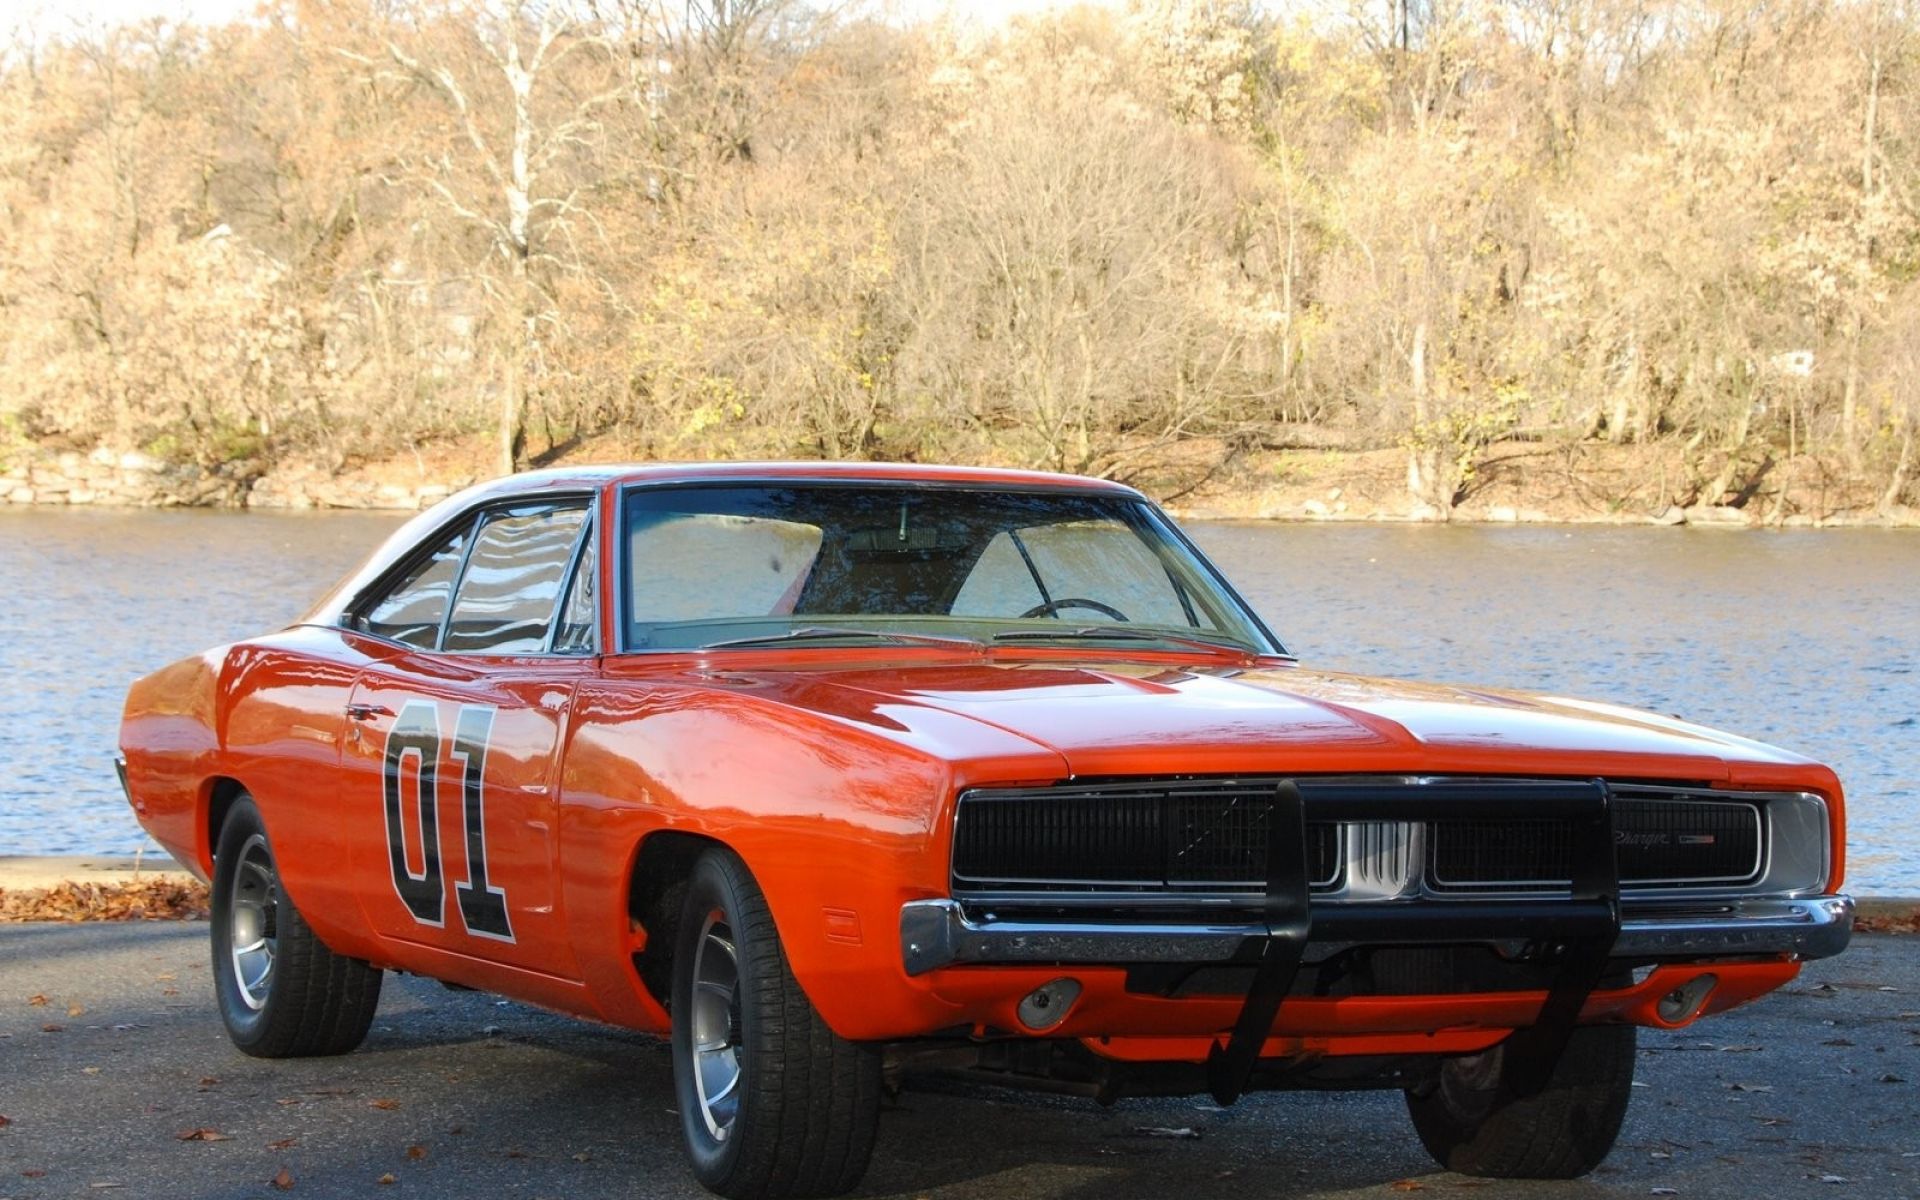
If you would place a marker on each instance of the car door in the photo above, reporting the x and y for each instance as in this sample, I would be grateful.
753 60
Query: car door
454 724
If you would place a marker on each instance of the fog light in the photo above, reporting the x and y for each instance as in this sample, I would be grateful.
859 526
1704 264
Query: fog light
1683 1003
1048 1004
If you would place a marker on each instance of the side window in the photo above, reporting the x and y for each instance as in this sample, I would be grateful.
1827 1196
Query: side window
580 612
413 608
511 585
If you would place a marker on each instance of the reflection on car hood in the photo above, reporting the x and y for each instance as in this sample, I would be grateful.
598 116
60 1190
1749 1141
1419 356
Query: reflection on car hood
1120 719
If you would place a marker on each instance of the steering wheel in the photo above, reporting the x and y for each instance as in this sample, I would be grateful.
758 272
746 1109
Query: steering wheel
1052 608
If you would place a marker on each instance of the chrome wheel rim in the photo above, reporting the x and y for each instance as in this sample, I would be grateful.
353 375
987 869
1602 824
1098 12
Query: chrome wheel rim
715 1026
253 904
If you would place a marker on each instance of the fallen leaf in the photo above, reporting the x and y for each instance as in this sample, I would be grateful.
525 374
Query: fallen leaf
50 1028
89 1070
207 1081
76 1010
416 1152
33 1173
389 1177
283 1181
516 1152
37 1000
583 1156
1407 1185
5 1121
201 1135
384 1105
1890 1078
286 1143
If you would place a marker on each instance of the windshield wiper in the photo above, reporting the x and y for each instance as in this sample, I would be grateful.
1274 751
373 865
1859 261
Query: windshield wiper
821 633
1122 633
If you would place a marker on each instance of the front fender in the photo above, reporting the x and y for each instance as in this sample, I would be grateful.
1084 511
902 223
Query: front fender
839 822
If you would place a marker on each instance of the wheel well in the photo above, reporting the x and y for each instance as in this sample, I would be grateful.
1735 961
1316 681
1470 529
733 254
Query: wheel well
224 792
656 893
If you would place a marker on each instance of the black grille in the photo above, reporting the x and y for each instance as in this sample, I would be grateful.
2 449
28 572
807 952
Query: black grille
1211 836
1203 836
1656 842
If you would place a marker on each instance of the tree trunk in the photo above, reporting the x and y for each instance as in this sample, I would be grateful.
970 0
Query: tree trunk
513 434
519 198
1849 400
1890 499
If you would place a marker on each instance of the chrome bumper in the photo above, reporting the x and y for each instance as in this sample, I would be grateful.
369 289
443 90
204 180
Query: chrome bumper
938 933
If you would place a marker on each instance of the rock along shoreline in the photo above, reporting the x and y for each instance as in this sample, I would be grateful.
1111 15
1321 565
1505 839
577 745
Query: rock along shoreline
106 479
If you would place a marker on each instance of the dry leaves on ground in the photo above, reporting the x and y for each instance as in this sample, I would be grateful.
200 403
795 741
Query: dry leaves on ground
158 899
1908 922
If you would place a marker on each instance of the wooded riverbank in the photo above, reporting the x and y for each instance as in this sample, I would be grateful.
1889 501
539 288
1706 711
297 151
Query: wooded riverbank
1642 262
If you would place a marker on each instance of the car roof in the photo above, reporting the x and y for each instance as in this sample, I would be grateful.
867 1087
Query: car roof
621 474
594 478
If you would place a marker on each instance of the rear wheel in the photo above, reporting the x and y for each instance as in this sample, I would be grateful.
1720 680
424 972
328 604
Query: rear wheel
772 1102
1474 1121
282 993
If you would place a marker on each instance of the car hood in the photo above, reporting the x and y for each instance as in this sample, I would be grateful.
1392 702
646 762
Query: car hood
1108 719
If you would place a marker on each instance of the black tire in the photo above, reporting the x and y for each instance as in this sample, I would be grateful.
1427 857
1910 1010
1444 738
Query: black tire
804 1105
301 999
1473 1121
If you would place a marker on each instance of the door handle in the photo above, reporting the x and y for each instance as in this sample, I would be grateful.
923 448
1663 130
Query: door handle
367 712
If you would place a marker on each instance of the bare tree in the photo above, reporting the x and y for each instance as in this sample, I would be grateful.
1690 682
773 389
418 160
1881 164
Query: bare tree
526 90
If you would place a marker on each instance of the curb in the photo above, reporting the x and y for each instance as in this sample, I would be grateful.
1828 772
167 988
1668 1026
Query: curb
1885 906
20 872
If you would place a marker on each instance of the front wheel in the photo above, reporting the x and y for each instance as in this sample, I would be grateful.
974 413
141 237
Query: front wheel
282 993
772 1102
1474 1120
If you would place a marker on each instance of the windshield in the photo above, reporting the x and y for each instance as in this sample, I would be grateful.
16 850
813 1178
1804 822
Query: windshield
830 562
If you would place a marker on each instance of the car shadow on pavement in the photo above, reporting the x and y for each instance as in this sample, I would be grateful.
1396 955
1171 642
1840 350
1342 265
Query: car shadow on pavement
111 1051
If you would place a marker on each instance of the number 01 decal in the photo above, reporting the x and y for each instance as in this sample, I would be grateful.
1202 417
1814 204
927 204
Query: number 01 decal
416 734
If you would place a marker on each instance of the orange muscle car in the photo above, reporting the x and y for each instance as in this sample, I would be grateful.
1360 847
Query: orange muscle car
837 774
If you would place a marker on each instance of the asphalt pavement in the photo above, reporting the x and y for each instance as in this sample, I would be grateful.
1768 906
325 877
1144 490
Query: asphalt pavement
116 1079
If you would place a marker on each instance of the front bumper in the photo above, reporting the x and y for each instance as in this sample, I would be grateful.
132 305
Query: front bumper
939 933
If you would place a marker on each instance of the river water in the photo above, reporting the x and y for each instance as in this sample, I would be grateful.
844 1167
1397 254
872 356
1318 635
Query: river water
1808 639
